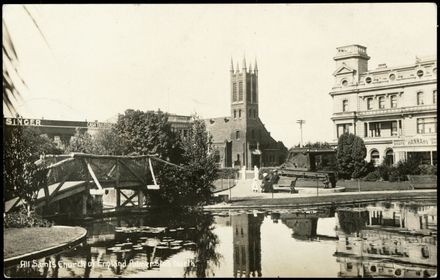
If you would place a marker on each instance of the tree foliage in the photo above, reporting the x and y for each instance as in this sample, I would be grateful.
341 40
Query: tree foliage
147 133
351 156
316 145
83 142
190 185
22 177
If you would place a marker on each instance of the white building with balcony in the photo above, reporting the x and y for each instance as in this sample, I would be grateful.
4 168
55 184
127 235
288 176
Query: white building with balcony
394 109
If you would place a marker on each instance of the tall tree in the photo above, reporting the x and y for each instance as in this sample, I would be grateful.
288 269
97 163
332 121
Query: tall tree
190 185
21 176
83 142
351 156
147 133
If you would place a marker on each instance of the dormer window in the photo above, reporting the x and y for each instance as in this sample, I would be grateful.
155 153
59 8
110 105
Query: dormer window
420 73
344 82
368 80
345 105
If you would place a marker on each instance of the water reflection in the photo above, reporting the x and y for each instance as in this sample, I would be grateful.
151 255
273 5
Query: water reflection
247 244
389 239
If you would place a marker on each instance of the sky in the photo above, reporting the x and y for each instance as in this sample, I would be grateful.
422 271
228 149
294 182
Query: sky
96 61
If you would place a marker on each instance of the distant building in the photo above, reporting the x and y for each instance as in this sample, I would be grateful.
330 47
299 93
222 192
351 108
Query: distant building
241 139
393 108
58 130
61 131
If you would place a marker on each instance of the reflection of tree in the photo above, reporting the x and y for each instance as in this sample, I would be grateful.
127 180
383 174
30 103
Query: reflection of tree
352 221
206 241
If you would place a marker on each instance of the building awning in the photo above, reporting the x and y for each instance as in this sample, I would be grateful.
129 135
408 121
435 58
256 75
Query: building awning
256 152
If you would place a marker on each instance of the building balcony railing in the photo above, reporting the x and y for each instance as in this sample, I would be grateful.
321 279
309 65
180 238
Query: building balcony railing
402 110
387 111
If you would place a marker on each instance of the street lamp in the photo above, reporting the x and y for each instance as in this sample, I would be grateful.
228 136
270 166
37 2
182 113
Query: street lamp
301 122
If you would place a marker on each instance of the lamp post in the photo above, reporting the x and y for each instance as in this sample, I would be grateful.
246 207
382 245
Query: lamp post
301 122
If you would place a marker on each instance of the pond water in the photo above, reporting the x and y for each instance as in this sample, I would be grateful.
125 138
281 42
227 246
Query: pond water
386 239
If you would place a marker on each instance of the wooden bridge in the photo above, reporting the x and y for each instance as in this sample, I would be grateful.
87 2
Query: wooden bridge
85 177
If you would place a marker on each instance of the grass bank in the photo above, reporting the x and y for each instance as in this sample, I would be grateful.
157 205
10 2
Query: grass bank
365 186
24 241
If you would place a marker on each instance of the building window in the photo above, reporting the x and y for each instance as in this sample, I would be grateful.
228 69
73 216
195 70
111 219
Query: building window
239 113
248 91
250 113
420 73
389 157
255 114
426 125
420 98
369 103
343 128
375 129
393 100
345 106
394 128
253 133
344 82
234 92
381 102
237 135
434 97
375 156
254 91
235 114
392 77
240 91
368 80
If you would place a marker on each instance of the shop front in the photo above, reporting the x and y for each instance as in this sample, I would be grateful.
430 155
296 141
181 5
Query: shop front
422 147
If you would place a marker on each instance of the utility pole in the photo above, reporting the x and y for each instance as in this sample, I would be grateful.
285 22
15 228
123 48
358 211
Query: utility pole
301 122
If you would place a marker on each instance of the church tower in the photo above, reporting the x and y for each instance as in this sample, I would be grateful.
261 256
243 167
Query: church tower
244 91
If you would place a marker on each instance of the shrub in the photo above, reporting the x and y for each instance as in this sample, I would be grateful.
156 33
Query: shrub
372 176
393 174
350 156
427 169
20 219
384 171
228 172
408 167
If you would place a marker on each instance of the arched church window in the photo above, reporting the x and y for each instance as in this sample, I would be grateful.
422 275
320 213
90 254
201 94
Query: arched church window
234 92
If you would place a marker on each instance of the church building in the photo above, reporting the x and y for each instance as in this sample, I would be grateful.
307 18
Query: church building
241 139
